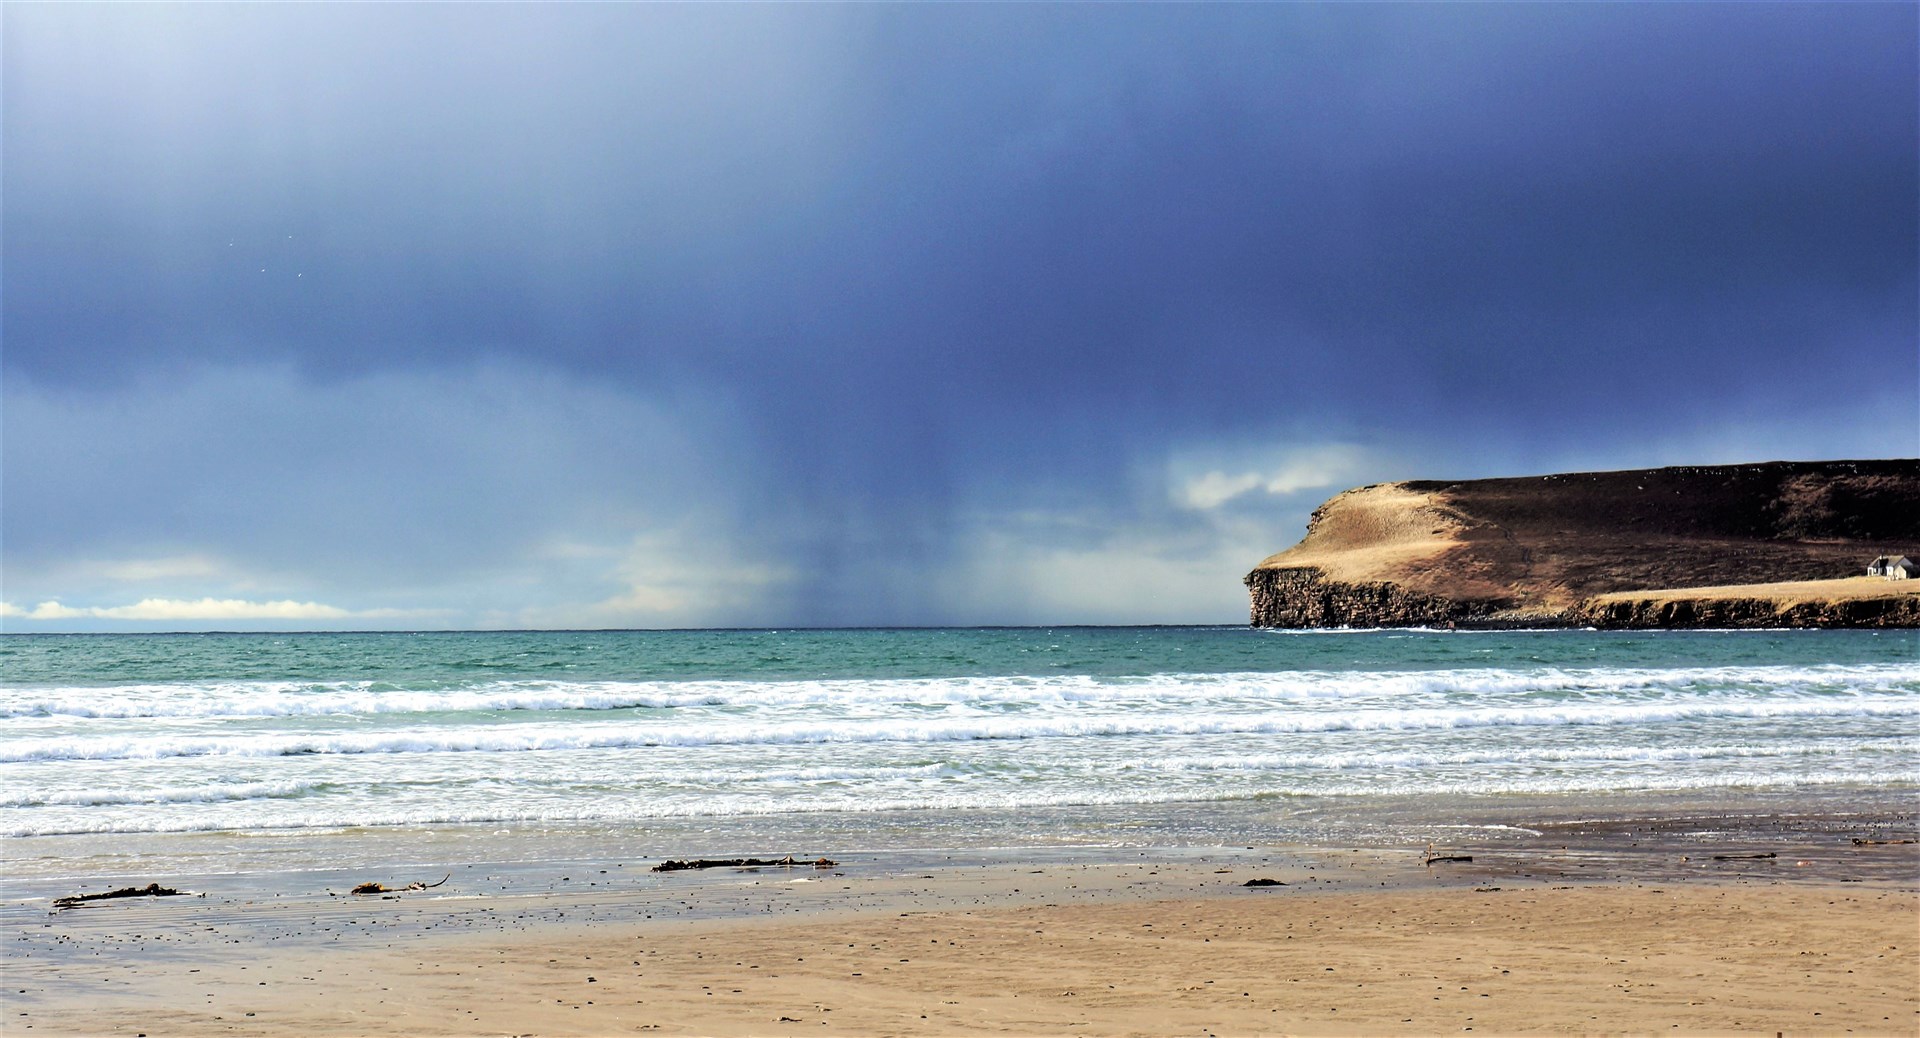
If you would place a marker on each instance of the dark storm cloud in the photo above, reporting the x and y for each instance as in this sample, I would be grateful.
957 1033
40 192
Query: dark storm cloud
956 257
953 197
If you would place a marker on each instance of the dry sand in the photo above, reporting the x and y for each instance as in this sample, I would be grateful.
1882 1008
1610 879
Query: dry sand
1632 931
1641 960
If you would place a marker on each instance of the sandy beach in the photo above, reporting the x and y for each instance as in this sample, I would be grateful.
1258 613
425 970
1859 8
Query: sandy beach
1677 925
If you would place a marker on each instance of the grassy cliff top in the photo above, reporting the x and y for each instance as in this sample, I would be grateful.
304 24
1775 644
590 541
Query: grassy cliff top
1781 593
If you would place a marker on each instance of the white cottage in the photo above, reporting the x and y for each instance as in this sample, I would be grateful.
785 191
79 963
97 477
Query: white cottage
1893 567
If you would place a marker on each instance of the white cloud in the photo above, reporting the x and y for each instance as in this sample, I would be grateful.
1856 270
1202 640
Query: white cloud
178 567
199 609
474 493
1277 474
1103 575
678 578
1315 468
1216 488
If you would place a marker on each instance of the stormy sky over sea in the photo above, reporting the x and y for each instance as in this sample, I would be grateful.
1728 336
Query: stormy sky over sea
611 315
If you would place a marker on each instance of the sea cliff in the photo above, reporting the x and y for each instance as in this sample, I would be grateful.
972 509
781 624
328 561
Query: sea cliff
1303 598
1763 545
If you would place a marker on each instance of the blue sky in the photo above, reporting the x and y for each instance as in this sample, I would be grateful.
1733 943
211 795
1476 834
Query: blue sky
443 315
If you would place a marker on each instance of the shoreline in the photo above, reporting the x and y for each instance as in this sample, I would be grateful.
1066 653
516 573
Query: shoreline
1599 918
56 861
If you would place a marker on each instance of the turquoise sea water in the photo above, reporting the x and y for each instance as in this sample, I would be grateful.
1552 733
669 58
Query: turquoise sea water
836 731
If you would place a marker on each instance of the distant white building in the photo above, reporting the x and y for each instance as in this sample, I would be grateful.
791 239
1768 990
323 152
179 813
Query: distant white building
1892 567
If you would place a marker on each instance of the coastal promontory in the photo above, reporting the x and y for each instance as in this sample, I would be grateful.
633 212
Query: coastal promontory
1774 544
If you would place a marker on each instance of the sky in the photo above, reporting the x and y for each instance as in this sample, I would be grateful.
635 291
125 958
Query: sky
419 316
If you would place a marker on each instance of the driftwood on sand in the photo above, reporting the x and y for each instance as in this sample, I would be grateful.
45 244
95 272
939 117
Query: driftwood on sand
376 888
742 863
150 890
1432 858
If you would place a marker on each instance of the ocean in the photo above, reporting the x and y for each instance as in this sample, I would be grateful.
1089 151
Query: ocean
932 738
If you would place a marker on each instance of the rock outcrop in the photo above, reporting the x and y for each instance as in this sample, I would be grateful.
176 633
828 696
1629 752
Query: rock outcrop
1303 598
1897 607
1538 551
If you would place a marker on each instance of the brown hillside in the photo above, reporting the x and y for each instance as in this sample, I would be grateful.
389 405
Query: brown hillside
1543 544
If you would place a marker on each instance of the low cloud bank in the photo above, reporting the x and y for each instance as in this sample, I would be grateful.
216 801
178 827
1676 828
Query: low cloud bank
200 609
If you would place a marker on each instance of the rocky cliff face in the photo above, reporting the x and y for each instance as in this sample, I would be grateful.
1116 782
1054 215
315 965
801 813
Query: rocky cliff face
1304 598
1536 550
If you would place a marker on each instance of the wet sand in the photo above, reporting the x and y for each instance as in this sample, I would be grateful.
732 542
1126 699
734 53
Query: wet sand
1675 924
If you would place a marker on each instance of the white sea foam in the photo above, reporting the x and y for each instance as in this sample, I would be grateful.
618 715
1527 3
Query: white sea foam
640 810
520 742
1521 755
205 794
935 729
289 699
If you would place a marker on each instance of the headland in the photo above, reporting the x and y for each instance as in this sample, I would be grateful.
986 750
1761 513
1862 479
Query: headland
1774 544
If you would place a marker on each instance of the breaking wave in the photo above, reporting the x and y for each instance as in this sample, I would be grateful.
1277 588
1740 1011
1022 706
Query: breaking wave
575 736
286 699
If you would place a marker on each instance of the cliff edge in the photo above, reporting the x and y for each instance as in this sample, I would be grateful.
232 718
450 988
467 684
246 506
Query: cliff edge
1607 549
